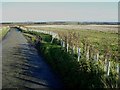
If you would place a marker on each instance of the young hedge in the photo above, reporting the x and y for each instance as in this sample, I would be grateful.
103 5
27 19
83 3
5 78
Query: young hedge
73 74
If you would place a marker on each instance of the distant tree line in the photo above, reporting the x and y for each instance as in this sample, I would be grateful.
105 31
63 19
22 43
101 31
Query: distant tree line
61 23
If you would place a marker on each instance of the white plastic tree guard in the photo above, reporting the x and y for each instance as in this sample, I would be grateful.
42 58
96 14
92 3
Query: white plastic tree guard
117 68
105 65
108 68
73 49
67 47
96 57
79 54
87 55
63 44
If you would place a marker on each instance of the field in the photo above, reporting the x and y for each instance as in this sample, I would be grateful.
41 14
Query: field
86 52
99 36
113 28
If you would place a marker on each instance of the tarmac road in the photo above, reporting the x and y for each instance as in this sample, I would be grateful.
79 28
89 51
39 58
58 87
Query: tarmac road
22 67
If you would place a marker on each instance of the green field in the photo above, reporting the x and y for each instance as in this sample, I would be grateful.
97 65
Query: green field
83 73
100 40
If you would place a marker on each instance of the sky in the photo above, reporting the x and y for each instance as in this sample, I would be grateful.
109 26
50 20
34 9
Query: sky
60 0
59 11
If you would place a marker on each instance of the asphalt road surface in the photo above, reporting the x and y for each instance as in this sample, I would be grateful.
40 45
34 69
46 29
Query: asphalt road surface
22 67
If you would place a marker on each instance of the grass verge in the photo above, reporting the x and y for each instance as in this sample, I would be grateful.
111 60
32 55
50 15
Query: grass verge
3 32
73 74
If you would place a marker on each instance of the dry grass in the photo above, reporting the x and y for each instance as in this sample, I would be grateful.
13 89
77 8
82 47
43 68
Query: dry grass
111 28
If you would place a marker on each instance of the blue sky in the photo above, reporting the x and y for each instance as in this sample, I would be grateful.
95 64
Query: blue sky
39 11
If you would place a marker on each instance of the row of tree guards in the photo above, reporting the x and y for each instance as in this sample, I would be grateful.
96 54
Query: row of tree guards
71 42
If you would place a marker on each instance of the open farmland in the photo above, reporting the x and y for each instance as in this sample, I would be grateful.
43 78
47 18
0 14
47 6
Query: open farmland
98 35
82 44
59 45
111 28
85 54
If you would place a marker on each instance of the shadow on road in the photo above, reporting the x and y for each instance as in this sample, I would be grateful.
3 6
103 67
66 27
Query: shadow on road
32 70
22 67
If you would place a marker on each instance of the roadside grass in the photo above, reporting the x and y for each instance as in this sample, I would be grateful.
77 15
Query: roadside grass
45 37
73 74
3 32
